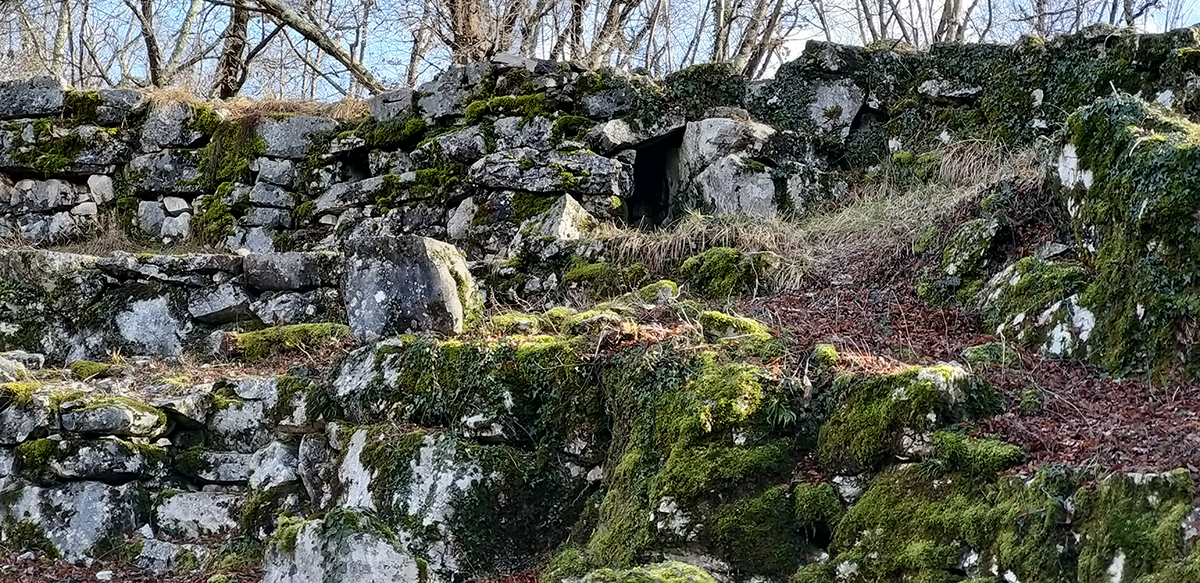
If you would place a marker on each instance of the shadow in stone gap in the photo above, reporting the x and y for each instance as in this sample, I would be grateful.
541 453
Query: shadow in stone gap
650 204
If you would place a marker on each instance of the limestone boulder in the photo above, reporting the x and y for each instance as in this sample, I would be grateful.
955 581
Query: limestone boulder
579 172
292 271
34 97
404 283
168 172
323 550
387 105
76 516
290 136
171 124
118 106
107 460
193 515
222 305
95 415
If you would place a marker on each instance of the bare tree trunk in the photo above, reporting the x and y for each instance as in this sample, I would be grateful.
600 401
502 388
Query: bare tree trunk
59 56
763 48
689 56
720 29
420 39
750 34
144 12
467 33
228 78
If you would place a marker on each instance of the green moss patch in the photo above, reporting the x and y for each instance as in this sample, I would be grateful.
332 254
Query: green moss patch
86 369
722 272
289 339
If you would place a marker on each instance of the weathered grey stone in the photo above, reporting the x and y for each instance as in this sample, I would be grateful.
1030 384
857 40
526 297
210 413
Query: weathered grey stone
465 145
193 269
176 228
192 515
279 308
706 141
732 185
12 371
30 360
175 206
535 66
38 228
191 410
85 209
274 465
565 221
263 389
170 125
124 417
518 132
290 136
251 240
397 103
117 106
21 422
34 97
333 555
227 303
347 195
226 467
160 557
7 462
76 516
108 460
167 172
152 326
459 224
835 105
579 172
269 195
317 466
278 172
611 136
242 427
267 217
606 104
389 162
102 151
400 283
41 196
291 271
445 95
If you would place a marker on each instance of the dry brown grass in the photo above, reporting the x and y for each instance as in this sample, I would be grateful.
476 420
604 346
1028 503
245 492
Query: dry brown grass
871 222
245 107
159 95
107 237
972 162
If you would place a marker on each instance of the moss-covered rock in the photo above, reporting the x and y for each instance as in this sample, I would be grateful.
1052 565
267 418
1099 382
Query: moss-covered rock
86 369
1131 177
890 416
289 339
671 572
722 272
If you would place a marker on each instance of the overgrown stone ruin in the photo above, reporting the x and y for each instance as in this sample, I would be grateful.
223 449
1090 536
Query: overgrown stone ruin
400 348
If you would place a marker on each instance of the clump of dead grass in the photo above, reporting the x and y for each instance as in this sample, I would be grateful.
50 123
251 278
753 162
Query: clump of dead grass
105 238
871 222
245 107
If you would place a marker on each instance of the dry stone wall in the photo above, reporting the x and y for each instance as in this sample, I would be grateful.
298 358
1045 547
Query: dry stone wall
569 442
